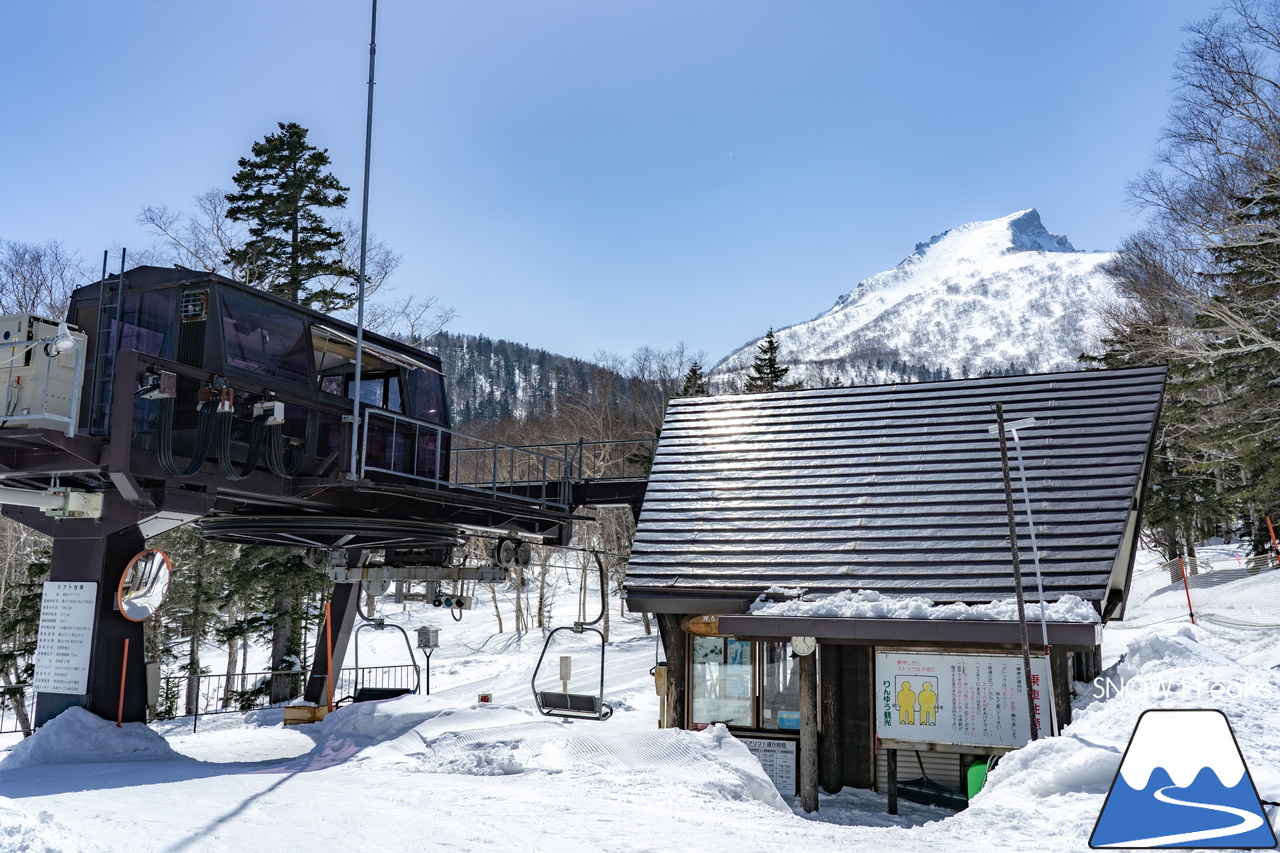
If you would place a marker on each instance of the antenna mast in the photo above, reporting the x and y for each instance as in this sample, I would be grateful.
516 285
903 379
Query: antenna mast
354 471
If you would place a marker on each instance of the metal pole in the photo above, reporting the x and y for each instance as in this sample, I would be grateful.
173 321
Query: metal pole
1035 549
1017 568
1182 565
364 247
328 648
124 670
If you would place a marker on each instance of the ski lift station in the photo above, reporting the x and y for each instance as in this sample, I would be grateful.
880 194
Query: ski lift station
824 564
850 579
170 396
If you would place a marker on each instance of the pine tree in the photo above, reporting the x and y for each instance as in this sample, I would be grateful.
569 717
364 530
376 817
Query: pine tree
1243 372
19 624
766 374
281 190
695 382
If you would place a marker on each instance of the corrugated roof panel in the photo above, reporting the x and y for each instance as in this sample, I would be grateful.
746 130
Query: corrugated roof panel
896 488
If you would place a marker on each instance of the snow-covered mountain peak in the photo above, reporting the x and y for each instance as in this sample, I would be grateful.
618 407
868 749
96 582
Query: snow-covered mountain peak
996 295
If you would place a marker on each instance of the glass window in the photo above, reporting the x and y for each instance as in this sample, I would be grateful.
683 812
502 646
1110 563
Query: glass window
145 322
425 393
722 686
262 338
779 688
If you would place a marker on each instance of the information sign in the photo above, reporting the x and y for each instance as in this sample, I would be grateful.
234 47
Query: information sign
778 758
968 700
64 637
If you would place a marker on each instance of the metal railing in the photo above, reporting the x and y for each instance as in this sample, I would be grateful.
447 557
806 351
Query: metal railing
424 452
220 694
10 699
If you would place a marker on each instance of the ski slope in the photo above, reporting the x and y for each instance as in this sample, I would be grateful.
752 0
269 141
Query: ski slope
444 772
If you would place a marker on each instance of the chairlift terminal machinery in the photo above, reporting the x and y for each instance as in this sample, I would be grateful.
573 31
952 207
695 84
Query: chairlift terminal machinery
172 396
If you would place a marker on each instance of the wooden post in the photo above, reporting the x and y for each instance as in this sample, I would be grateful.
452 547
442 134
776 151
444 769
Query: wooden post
809 731
674 643
892 759
831 737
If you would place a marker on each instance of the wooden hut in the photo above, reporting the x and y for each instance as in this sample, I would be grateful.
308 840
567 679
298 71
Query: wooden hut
896 491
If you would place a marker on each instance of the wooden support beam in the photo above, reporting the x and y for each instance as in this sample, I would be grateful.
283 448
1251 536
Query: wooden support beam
831 735
675 644
809 732
892 760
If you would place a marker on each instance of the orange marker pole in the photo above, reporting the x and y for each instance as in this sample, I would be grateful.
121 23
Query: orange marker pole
328 647
1187 587
124 670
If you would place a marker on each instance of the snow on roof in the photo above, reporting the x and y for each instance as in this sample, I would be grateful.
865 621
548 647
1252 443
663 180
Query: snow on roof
869 604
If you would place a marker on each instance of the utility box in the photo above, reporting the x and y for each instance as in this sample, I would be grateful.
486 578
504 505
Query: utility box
41 368
428 638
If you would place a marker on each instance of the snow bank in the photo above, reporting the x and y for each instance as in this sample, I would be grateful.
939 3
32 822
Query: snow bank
22 833
869 604
428 736
1061 782
78 736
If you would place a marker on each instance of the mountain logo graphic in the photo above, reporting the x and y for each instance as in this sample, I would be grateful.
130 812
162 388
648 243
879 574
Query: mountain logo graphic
1183 783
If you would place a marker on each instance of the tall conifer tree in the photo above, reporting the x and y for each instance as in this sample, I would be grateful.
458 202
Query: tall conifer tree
766 374
281 190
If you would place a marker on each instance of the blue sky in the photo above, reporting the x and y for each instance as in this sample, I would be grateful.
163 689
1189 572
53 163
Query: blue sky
600 175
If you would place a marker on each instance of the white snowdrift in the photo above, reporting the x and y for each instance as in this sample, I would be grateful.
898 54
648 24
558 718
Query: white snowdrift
77 736
22 833
426 735
869 604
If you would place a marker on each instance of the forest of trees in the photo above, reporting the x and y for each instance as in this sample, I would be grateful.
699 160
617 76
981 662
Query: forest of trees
1201 285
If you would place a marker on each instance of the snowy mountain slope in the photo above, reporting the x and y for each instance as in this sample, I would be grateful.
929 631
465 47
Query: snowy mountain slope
987 296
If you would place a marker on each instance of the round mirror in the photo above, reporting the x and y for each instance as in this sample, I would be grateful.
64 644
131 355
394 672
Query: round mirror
144 585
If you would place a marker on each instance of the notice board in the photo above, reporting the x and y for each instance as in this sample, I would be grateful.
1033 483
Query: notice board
64 637
778 758
962 699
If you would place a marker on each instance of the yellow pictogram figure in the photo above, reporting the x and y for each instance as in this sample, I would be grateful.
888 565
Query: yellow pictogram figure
907 705
928 705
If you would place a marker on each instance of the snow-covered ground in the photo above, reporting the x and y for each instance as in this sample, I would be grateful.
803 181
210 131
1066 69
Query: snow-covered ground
444 772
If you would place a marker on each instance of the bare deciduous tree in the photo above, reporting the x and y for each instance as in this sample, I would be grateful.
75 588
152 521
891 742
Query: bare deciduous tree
37 278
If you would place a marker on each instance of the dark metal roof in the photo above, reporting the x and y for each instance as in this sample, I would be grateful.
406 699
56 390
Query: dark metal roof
897 488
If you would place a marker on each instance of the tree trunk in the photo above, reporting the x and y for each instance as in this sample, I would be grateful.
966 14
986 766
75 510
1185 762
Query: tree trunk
493 593
282 645
197 625
18 698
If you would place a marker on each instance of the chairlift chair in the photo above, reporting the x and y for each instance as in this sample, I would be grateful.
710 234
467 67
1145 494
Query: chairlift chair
581 706
372 694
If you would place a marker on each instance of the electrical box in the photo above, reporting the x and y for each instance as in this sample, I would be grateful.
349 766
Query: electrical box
428 638
41 367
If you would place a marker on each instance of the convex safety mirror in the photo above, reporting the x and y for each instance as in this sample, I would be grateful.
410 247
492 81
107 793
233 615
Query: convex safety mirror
144 585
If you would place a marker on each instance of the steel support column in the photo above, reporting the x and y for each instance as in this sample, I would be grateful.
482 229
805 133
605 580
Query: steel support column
343 604
102 559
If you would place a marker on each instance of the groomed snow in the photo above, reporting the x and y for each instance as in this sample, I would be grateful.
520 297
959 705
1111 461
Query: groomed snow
869 604
444 772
